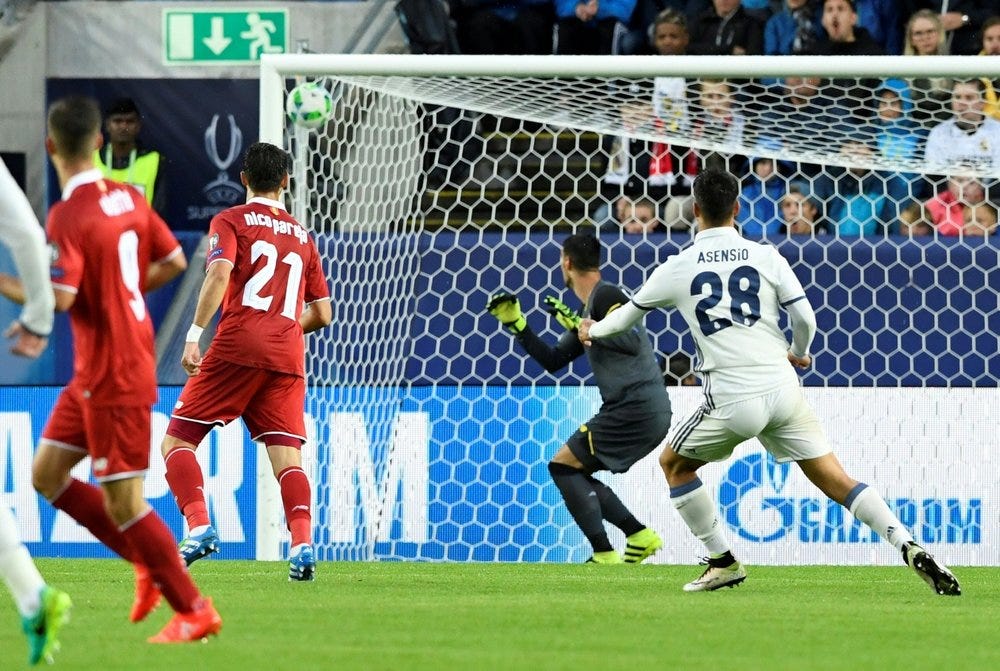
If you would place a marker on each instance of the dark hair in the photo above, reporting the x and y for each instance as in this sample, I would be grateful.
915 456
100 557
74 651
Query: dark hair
265 165
715 192
122 106
849 2
583 250
73 124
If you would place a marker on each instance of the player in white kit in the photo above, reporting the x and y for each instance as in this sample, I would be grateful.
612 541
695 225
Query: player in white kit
729 290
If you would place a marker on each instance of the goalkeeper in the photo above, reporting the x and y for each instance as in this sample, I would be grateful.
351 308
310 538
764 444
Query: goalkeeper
635 410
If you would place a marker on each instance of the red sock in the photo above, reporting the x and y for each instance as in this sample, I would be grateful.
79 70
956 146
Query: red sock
85 504
187 484
158 552
296 497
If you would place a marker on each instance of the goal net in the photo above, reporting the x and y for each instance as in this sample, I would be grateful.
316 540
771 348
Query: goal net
438 181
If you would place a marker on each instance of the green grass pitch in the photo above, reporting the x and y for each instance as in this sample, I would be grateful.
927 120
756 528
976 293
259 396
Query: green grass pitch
530 616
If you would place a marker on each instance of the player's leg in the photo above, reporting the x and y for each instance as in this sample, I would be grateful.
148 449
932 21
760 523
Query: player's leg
62 446
572 477
43 609
620 439
705 436
213 398
799 437
274 416
120 462
195 616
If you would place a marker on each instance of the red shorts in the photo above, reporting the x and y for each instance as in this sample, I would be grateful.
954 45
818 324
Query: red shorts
270 403
117 438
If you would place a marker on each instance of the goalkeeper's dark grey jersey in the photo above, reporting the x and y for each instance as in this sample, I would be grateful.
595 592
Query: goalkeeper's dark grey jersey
624 366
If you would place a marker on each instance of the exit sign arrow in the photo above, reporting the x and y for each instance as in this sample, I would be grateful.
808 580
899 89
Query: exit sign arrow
217 41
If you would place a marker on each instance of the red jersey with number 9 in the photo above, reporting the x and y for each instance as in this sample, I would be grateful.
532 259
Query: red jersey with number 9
103 237
276 272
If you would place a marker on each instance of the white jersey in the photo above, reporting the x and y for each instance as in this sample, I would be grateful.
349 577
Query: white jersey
21 232
948 146
729 291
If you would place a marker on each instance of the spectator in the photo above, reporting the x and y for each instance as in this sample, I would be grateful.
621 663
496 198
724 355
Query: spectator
504 26
898 140
591 27
859 206
639 217
639 168
963 21
794 30
800 213
948 210
980 220
726 29
714 119
969 139
914 221
925 36
760 194
991 47
880 19
846 38
124 159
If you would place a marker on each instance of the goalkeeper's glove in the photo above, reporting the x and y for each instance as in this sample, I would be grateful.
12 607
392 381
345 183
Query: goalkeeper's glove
562 312
505 307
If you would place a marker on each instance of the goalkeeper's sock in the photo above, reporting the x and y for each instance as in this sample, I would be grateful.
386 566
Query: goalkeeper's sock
296 498
697 510
187 483
157 550
85 504
613 510
583 503
866 505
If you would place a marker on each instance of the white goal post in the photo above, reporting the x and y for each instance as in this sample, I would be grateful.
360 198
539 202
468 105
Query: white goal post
442 179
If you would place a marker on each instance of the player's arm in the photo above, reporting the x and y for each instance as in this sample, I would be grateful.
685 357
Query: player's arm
213 289
654 293
792 297
317 314
162 271
505 307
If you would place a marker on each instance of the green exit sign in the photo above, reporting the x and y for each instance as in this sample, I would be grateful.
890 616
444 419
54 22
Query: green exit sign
223 36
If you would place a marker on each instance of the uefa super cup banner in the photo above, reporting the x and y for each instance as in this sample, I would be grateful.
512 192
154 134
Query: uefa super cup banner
459 474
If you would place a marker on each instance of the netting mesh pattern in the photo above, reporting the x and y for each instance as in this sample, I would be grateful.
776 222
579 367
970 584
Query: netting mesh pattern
428 195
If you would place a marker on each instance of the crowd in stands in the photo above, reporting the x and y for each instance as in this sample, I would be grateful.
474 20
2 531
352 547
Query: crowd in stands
646 186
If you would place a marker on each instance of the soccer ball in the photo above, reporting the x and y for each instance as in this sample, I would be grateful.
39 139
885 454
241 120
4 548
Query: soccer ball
309 105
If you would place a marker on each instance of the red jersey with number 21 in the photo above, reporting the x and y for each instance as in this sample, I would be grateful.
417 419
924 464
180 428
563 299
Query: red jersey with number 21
104 236
276 272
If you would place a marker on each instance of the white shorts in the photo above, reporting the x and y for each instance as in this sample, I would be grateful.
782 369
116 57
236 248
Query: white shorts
782 420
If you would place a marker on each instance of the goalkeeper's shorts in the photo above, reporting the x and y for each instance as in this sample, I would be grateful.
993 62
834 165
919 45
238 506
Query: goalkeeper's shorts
613 441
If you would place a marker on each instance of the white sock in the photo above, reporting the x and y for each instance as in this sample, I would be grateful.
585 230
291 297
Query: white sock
16 567
697 510
869 507
197 531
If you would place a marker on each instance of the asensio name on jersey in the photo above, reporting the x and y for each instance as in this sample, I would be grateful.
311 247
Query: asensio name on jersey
725 283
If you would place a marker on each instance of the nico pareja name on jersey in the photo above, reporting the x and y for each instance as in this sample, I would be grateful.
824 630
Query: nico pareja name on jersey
276 225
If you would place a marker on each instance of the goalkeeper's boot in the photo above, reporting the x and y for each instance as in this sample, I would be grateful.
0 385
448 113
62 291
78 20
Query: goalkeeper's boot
302 563
722 571
147 594
202 622
610 557
199 545
42 629
934 574
641 545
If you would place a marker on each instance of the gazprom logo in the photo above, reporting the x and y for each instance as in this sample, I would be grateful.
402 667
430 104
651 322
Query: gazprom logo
751 498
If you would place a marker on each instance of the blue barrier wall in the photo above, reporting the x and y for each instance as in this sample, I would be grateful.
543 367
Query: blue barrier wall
893 312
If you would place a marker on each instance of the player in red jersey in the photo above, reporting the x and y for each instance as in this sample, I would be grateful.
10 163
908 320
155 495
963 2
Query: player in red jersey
109 248
265 271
